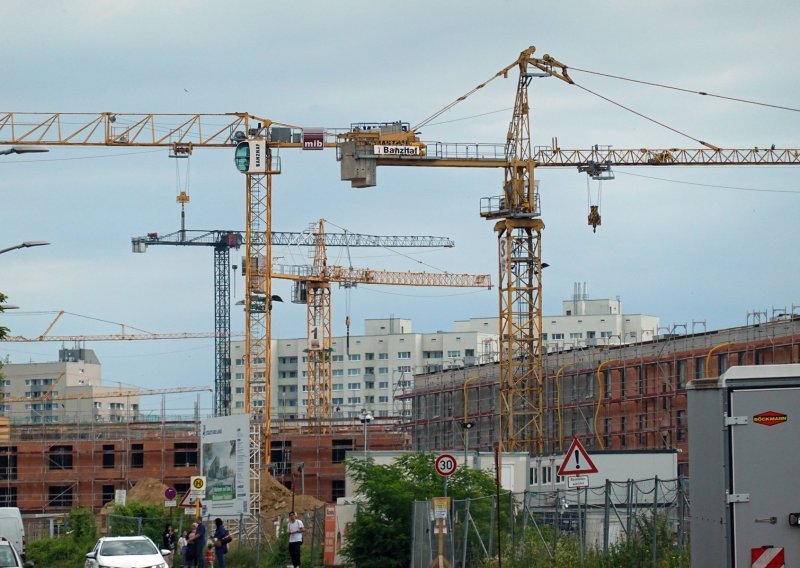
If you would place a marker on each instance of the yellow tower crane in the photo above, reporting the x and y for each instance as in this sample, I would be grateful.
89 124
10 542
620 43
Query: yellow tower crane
313 287
518 221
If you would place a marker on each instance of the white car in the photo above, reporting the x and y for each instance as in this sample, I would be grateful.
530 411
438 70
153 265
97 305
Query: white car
9 556
126 552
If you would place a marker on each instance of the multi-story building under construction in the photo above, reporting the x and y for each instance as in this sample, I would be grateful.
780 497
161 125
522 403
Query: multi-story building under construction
610 396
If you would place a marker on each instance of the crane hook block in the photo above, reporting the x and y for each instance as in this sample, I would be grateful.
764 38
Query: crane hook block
594 217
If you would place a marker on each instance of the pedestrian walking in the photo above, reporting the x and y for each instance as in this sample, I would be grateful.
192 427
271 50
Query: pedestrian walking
295 528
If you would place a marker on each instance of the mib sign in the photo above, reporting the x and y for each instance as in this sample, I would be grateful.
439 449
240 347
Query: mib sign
313 139
251 157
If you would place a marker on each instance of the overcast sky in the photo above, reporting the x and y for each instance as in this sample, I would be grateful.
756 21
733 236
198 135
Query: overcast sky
685 244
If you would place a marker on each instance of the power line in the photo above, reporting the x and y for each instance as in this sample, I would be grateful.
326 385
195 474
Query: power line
713 186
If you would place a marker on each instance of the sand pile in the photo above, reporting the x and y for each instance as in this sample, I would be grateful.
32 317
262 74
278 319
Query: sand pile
276 500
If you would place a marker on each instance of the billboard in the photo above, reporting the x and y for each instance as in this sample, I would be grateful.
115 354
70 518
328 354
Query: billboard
225 463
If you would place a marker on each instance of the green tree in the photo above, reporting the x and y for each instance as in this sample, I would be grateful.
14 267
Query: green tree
66 551
381 533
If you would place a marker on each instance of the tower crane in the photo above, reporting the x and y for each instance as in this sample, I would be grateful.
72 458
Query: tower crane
518 220
313 288
181 134
223 241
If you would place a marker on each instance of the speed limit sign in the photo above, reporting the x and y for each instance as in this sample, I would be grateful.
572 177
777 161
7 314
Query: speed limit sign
445 465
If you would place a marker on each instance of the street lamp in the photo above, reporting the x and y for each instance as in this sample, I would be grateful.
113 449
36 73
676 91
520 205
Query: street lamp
366 418
26 244
23 150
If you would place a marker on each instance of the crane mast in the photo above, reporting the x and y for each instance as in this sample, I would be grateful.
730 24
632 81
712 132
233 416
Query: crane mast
313 287
518 222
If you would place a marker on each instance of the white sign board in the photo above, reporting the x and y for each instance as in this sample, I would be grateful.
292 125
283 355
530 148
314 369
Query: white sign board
574 481
225 464
197 485
258 157
314 339
391 150
120 496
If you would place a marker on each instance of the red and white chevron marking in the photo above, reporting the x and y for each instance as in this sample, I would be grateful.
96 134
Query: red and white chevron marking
767 557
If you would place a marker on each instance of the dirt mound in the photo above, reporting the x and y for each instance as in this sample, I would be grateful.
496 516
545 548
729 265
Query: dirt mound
147 491
276 500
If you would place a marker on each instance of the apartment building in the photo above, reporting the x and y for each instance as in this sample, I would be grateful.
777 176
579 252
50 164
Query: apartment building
369 371
583 323
65 391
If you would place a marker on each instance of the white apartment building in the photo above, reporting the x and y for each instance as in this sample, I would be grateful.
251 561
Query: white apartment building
368 370
65 391
583 323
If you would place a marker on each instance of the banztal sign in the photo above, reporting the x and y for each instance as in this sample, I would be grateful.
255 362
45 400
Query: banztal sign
390 150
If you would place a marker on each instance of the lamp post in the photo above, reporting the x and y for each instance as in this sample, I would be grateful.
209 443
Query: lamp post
366 418
23 150
25 244
301 468
467 425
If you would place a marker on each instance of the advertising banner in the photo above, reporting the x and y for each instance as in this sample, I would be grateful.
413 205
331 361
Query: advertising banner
225 459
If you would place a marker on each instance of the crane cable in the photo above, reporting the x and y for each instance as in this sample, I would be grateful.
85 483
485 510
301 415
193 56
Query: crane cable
663 86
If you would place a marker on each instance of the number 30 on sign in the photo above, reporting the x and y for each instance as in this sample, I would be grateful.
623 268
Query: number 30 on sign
445 465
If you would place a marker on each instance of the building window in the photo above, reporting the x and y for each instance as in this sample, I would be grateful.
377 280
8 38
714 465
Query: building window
576 335
354 400
338 386
681 374
108 457
557 336
354 357
641 379
383 399
383 370
369 356
353 372
431 354
8 497
185 454
340 448
404 354
404 369
337 489
137 455
338 358
606 384
60 457
680 421
59 496
338 372
453 354
383 355
108 494
383 385
8 462
353 386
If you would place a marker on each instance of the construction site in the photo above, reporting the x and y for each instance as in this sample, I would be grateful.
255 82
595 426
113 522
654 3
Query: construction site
66 440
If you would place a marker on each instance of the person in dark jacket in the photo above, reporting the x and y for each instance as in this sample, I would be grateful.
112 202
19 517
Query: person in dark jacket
219 534
168 542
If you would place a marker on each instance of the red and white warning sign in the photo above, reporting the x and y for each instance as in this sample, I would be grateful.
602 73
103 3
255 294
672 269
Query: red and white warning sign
767 557
576 460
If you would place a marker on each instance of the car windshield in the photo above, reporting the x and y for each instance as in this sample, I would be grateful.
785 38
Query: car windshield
7 557
127 548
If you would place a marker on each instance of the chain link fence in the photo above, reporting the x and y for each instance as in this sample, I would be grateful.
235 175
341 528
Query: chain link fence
534 528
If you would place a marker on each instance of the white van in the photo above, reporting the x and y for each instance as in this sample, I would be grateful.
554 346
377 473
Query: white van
12 529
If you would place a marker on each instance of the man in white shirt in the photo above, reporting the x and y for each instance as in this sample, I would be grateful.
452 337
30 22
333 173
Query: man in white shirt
295 529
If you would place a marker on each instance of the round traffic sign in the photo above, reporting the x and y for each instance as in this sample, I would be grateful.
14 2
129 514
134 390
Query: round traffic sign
170 493
445 465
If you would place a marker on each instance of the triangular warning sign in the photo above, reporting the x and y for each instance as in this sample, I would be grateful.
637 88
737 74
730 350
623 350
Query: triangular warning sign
188 501
576 460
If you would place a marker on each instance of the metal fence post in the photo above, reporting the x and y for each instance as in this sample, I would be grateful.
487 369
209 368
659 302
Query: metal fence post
655 523
606 516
